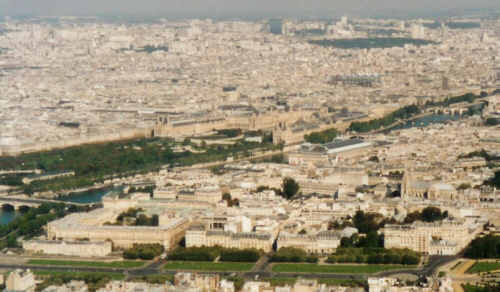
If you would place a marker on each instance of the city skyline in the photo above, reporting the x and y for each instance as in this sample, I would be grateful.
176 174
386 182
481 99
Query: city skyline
246 9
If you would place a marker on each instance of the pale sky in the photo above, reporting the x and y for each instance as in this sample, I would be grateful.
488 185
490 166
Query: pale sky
242 8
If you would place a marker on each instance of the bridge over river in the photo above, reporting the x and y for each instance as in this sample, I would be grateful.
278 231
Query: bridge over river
33 202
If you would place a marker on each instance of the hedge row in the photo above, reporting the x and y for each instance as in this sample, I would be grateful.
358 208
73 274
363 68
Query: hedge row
292 255
143 251
209 254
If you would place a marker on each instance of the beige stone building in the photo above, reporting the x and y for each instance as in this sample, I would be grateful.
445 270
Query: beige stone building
90 225
122 286
293 133
207 194
315 157
69 248
324 242
20 280
72 286
447 237
197 124
197 236
393 285
330 153
415 187
204 282
470 163
328 180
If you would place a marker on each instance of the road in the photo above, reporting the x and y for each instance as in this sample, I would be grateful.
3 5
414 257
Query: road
260 271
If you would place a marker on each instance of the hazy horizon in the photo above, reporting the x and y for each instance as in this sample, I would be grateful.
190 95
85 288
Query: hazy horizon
245 8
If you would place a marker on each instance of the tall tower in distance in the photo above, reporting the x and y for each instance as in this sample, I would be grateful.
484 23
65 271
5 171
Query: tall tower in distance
485 38
444 31
445 83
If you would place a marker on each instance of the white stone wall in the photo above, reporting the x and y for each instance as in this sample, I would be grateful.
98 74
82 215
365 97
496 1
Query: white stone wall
424 237
78 248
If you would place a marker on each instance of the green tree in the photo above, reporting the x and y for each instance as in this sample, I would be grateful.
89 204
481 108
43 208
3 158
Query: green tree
226 196
12 241
484 247
409 260
321 137
289 254
290 187
366 223
492 121
431 214
143 251
372 239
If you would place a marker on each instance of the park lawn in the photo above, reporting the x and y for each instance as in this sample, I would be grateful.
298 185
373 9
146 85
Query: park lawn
116 264
480 267
335 269
79 275
209 266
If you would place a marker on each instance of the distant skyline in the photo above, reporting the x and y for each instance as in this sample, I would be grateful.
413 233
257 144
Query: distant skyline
247 8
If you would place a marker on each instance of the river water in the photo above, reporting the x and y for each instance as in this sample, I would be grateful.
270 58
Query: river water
7 217
93 196
426 121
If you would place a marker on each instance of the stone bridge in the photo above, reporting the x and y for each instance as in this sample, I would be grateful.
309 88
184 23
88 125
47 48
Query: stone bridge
31 202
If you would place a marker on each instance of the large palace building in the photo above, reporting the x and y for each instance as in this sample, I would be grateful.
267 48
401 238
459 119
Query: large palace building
447 237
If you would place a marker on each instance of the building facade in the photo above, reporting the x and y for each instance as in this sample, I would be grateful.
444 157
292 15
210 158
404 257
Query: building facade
21 280
81 226
447 237
69 248
197 237
325 242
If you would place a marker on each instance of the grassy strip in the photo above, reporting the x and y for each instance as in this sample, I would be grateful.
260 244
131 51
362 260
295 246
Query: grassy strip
480 267
472 288
79 275
336 269
209 266
117 264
